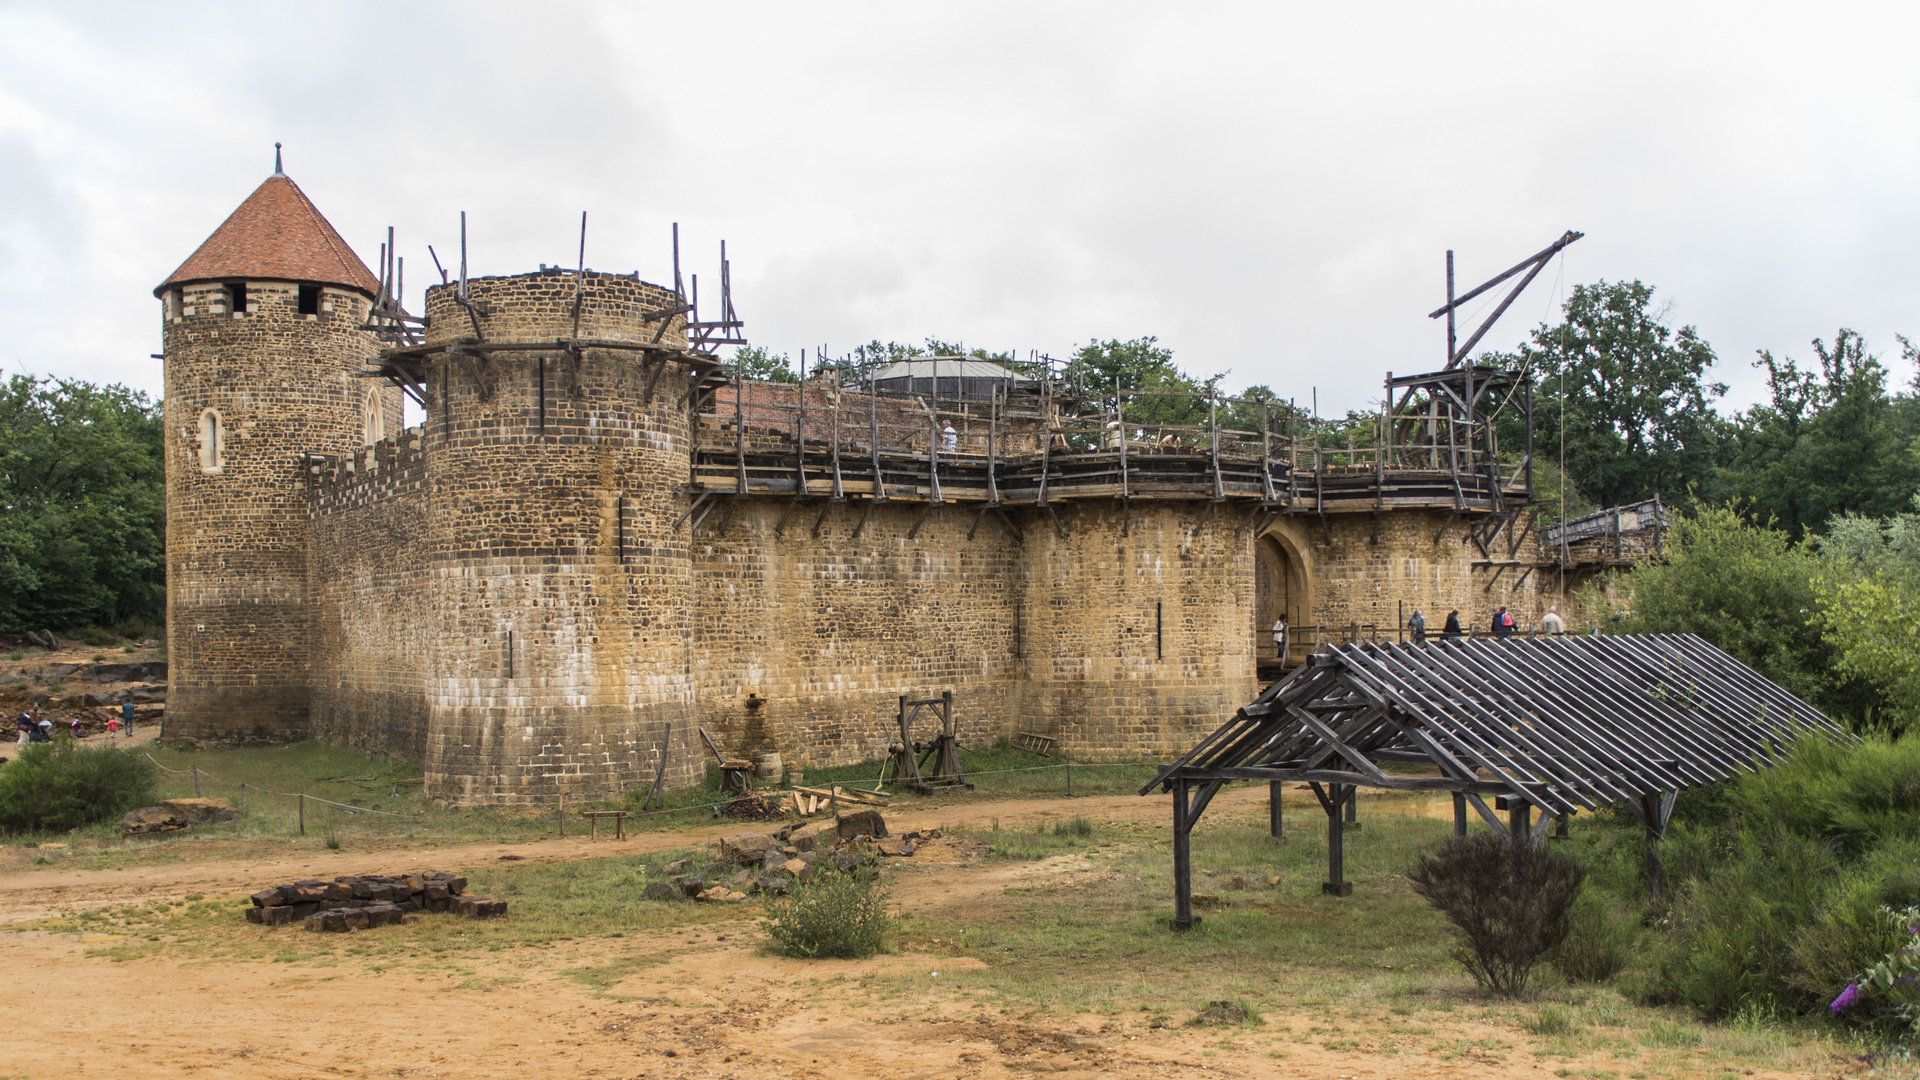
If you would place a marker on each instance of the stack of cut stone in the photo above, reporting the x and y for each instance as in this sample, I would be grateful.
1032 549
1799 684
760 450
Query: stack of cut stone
357 903
773 863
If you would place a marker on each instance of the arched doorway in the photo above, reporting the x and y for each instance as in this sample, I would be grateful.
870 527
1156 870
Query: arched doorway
1282 583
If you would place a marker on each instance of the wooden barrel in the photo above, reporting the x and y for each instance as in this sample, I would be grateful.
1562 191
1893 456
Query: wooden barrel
766 766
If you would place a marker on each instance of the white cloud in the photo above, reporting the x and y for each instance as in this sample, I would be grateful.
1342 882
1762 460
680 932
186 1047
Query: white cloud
1267 188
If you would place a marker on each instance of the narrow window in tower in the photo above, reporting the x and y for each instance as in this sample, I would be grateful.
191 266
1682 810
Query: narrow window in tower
176 303
238 291
376 425
211 438
309 300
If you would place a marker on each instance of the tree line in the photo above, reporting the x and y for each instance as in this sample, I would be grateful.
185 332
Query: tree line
82 507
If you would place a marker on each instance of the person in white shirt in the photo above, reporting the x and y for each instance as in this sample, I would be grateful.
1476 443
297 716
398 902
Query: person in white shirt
1280 637
1551 622
949 439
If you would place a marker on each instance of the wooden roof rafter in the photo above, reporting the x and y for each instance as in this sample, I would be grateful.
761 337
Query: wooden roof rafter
1557 725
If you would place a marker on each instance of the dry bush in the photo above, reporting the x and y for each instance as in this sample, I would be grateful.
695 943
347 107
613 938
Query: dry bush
1509 901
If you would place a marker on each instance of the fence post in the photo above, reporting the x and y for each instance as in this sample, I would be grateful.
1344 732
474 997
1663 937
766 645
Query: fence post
561 808
243 800
196 781
1069 779
303 813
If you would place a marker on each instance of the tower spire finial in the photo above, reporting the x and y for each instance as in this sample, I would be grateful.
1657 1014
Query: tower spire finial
277 170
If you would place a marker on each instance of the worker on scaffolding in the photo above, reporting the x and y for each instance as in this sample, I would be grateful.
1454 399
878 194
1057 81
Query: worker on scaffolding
949 439
1280 638
1417 627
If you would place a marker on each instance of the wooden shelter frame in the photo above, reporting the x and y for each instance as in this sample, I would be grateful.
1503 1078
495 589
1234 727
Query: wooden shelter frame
1554 725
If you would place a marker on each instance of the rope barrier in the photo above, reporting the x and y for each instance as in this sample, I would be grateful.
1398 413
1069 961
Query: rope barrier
269 791
634 814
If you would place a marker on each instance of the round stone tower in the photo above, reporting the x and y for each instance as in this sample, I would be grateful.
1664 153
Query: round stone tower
262 332
561 585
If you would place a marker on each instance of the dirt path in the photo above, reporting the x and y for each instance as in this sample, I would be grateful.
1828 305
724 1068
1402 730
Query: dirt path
720 1009
37 892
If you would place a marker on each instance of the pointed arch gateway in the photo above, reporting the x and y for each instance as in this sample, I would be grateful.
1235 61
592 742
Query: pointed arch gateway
1282 584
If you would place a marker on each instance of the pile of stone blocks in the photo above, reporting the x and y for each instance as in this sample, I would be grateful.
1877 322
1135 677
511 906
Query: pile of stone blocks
175 815
774 862
359 903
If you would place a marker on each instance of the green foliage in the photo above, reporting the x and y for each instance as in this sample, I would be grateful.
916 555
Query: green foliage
1078 826
1143 365
1597 944
62 785
840 914
1828 442
1552 1019
1890 985
1630 390
1868 581
1848 797
1779 876
1510 903
1745 588
98 638
757 364
82 507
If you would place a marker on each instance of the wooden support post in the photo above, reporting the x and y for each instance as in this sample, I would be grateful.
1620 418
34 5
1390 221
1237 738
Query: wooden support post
303 813
1459 815
1336 883
1069 779
1183 917
1520 820
1654 811
243 800
1274 787
1353 806
196 781
560 812
873 436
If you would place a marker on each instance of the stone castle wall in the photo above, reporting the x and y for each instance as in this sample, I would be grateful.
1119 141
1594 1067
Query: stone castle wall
1134 628
1377 572
513 593
371 629
830 631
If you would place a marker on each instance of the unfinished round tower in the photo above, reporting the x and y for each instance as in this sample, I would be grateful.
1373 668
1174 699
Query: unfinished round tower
262 330
557 457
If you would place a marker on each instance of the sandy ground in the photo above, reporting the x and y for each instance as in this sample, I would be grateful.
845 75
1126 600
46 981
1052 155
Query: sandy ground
719 1010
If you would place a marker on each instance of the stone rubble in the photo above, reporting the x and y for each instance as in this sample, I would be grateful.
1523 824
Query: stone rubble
359 903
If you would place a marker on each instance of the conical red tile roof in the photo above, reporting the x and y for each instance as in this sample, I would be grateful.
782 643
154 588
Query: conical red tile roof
277 235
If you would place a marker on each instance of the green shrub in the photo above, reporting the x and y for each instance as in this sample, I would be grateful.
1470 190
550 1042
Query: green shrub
1550 1020
1856 795
1733 927
840 914
1509 901
62 785
1079 826
93 635
1597 944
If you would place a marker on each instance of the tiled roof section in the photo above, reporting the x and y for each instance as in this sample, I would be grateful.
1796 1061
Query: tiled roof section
277 234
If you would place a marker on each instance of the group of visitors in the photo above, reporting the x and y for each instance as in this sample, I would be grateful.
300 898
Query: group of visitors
1504 626
34 727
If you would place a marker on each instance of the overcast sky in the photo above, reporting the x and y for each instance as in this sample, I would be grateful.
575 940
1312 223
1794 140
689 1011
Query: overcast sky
1267 188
